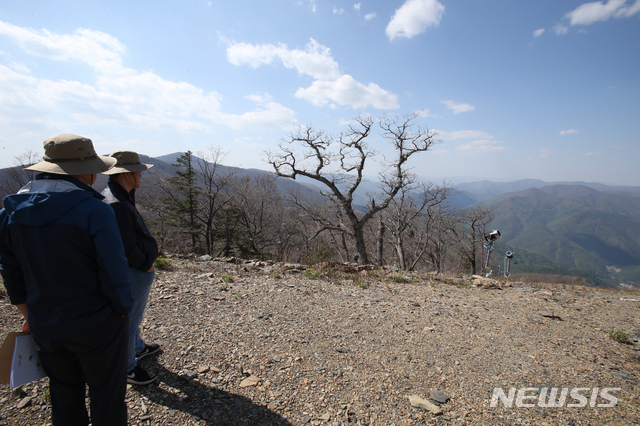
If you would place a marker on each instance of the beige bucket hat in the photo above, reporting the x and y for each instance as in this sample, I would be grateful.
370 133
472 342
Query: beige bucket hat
67 154
127 161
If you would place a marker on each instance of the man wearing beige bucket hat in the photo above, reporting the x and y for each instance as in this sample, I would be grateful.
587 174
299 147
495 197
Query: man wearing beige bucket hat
63 265
141 250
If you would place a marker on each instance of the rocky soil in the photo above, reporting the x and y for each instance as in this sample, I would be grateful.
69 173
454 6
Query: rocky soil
263 344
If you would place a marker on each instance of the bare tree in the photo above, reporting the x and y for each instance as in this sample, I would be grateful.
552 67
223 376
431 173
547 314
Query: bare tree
319 154
260 202
404 213
214 191
13 178
440 223
474 221
194 196
289 235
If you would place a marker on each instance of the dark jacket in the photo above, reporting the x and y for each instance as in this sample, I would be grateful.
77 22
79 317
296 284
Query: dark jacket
61 254
140 247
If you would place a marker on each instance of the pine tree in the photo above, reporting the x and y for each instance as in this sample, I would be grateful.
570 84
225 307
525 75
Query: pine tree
182 203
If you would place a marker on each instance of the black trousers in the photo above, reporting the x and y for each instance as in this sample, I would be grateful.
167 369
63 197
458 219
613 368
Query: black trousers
97 358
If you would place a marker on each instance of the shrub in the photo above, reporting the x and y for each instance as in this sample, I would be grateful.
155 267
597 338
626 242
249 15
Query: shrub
162 262
619 335
321 253
227 278
275 273
312 274
362 282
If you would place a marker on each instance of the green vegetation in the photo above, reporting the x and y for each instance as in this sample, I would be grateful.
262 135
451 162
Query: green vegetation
276 273
556 230
321 253
182 211
361 282
162 262
619 335
462 283
312 274
227 278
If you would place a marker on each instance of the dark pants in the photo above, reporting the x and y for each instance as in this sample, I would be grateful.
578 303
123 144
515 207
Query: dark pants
97 358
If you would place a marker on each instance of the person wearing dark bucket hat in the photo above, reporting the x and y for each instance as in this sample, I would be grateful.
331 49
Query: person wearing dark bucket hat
141 250
63 265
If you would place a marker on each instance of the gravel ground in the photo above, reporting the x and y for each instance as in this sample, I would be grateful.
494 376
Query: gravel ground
264 344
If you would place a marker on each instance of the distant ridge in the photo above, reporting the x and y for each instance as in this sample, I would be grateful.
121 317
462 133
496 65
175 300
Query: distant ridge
577 227
483 190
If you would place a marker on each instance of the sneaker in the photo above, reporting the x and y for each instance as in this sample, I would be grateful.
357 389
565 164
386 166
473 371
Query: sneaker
148 350
139 376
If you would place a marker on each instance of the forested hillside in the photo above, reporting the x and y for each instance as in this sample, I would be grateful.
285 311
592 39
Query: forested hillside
582 230
576 227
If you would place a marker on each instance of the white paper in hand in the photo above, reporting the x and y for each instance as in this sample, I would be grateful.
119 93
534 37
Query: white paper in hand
25 365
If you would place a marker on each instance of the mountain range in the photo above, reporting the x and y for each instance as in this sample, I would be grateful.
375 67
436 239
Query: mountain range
582 229
576 227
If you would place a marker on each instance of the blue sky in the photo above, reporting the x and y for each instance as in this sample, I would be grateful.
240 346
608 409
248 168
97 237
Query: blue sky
546 89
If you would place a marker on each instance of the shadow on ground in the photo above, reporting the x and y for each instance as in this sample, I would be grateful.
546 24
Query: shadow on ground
215 406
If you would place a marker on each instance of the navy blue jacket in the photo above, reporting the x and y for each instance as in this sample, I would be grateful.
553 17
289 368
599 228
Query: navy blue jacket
61 254
140 247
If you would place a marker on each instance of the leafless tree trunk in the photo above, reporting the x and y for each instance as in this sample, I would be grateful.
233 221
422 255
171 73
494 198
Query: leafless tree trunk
14 178
214 190
318 157
381 229
475 220
408 214
262 210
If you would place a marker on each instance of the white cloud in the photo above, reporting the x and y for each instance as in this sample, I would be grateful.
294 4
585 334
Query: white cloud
560 29
259 99
94 48
591 154
458 107
315 61
330 88
482 146
424 113
15 65
464 134
370 16
272 114
119 96
589 13
347 91
545 152
482 143
569 132
538 33
338 11
357 6
311 4
414 17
